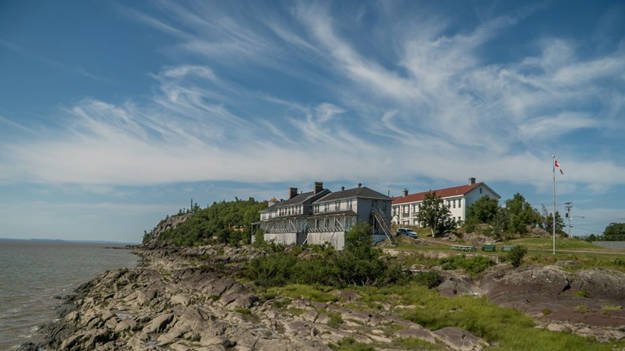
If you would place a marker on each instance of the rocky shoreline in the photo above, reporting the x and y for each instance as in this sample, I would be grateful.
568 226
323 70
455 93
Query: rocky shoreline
189 299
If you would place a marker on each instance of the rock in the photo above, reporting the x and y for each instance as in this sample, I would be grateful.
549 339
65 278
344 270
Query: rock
418 333
125 325
526 281
158 324
459 340
28 346
557 327
456 284
170 336
180 299
601 283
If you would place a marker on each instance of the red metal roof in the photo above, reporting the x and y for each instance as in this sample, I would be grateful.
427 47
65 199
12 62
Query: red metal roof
447 192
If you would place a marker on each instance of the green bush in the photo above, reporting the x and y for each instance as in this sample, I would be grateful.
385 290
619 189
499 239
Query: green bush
431 279
359 264
473 265
515 256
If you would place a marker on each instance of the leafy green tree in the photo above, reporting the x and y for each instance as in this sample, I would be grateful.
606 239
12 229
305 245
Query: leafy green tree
259 238
614 232
358 241
548 223
434 214
483 210
521 214
228 222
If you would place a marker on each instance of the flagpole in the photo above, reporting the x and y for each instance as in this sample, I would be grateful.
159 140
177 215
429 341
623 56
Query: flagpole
553 165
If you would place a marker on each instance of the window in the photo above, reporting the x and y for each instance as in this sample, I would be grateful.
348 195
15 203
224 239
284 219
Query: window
454 202
480 190
349 204
337 206
326 207
459 203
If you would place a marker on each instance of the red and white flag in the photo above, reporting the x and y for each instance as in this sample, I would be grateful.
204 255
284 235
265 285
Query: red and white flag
557 165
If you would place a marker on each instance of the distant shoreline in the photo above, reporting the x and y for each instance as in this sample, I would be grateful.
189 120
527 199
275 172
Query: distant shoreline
101 242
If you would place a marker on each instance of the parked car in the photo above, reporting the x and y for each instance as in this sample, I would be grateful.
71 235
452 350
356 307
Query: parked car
407 232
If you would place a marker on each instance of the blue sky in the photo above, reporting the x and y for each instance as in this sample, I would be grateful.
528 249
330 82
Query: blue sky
114 114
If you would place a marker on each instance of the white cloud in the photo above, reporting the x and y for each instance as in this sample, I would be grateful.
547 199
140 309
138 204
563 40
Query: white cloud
434 107
551 126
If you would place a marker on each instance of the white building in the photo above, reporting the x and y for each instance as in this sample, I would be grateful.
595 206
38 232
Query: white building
457 198
321 216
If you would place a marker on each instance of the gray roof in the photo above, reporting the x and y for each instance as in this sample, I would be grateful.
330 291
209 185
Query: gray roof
299 199
354 192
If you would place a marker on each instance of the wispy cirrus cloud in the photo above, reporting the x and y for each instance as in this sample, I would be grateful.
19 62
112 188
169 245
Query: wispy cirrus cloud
433 106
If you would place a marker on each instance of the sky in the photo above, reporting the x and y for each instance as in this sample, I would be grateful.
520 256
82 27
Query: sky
114 114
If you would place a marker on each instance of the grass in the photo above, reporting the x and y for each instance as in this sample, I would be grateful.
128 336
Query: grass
297 291
417 344
580 260
349 344
611 308
547 243
505 329
335 319
582 293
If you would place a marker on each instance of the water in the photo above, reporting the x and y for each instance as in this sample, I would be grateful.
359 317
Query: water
33 272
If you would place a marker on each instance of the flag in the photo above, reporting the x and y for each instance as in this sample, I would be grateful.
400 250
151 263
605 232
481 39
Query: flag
557 165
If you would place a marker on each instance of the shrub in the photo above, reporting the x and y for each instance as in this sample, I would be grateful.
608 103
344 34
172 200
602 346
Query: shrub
358 264
473 265
515 256
350 344
335 319
259 238
430 279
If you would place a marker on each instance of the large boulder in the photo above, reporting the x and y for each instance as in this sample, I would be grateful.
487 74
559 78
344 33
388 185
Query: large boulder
460 340
600 283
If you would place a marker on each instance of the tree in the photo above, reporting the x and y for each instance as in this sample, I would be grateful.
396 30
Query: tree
614 232
358 241
515 256
548 223
521 214
434 214
483 210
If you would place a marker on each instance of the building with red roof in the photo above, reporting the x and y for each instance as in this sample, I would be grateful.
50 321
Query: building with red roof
457 198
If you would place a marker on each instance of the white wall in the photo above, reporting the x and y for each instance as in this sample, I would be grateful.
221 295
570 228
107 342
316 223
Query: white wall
336 239
282 238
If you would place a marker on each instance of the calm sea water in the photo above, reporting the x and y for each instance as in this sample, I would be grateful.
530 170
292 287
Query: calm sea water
33 272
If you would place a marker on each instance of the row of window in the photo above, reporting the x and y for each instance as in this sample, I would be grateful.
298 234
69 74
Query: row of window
339 205
406 209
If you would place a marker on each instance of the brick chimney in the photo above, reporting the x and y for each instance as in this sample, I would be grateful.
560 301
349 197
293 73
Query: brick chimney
292 192
318 187
342 188
472 180
360 185
405 192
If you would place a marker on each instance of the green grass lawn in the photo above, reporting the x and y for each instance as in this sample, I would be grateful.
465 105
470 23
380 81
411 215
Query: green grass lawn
505 329
547 243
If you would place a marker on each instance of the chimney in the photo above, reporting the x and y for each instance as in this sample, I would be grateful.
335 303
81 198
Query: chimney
405 192
292 192
342 188
318 187
360 185
472 180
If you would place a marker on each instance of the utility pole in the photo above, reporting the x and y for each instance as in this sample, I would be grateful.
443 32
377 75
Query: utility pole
553 165
568 205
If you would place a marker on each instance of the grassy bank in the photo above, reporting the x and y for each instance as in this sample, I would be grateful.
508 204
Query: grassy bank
505 329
